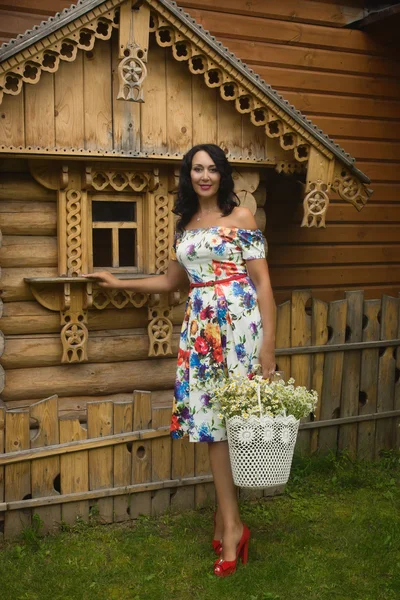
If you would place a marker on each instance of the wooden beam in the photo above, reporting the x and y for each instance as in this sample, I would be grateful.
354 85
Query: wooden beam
107 492
79 445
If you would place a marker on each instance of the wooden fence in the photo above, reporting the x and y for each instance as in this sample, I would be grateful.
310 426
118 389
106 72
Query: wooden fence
123 462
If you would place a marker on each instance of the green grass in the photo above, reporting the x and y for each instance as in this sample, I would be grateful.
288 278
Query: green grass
333 535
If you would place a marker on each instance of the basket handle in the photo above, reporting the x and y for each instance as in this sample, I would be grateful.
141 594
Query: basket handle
259 399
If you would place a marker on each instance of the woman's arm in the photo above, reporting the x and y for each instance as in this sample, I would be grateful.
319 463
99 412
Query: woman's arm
258 272
174 279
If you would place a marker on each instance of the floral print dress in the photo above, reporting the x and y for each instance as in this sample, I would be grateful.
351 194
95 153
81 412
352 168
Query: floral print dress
221 331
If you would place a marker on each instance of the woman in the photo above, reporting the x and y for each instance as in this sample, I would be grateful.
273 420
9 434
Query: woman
225 330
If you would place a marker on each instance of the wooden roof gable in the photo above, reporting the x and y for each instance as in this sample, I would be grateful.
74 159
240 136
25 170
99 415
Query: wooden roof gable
327 165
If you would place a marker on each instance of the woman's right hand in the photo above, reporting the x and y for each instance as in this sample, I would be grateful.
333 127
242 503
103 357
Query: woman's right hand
104 279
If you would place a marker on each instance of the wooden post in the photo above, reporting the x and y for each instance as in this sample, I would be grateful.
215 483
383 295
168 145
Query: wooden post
386 376
100 422
283 328
74 471
45 471
368 381
351 373
319 337
301 365
123 419
204 493
333 367
17 476
183 466
141 453
161 452
2 425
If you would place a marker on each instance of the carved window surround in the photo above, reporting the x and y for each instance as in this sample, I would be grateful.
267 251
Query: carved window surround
73 295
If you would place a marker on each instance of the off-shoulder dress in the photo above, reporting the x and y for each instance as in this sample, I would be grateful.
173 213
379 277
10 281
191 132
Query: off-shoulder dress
222 330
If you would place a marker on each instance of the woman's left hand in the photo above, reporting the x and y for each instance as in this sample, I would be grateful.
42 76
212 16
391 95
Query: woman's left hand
267 361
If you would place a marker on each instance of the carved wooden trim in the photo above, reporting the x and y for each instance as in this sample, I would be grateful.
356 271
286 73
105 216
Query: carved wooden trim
160 330
233 86
132 72
349 188
289 168
74 336
81 34
122 180
104 298
161 206
74 232
315 204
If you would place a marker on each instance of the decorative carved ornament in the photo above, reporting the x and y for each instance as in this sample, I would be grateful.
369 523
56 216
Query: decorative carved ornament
103 298
81 34
162 232
74 336
132 72
350 189
124 181
74 232
315 204
160 330
218 73
289 168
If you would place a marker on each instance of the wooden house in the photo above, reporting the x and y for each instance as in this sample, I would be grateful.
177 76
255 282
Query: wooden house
98 105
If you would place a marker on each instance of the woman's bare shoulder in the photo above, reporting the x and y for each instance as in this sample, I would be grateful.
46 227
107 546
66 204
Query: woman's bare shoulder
243 218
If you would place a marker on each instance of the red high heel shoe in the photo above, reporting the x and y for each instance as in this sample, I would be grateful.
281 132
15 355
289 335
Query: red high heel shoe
223 568
216 544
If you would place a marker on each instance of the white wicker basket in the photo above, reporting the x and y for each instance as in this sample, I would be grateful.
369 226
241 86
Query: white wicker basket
261 449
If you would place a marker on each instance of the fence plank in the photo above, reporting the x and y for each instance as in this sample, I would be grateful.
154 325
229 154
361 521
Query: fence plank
397 393
319 337
368 380
18 476
100 422
74 471
282 336
2 425
141 452
204 494
301 365
45 471
351 373
384 435
123 422
182 466
332 384
161 452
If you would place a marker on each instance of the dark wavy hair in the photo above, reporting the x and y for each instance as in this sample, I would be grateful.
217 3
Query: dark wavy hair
187 202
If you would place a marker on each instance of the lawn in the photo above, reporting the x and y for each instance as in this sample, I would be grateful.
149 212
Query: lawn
333 535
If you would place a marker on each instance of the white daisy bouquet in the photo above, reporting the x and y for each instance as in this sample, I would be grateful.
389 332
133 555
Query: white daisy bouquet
239 396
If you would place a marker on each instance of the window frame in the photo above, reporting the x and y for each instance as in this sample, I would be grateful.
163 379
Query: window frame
139 225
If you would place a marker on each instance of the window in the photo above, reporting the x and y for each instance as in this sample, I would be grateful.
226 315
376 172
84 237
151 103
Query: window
117 232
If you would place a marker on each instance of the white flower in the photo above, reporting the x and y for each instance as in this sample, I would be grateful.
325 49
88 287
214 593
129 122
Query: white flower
268 434
246 435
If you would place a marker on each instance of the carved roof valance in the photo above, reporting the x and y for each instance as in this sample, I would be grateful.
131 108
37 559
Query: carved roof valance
328 166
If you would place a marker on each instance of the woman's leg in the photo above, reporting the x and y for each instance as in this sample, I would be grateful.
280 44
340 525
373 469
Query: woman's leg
228 518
